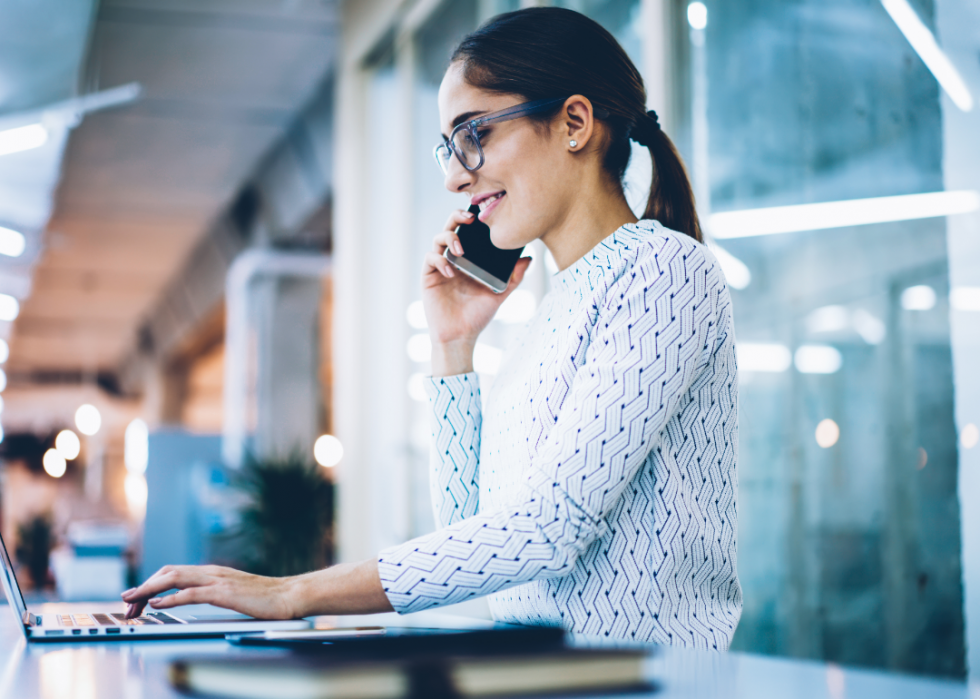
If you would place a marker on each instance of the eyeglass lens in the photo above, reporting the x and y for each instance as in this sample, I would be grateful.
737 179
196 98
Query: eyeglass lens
467 148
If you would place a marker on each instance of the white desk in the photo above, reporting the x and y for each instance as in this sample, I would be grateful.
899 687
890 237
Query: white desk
137 670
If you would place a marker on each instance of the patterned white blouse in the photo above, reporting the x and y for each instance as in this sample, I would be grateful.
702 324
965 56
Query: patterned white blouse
598 490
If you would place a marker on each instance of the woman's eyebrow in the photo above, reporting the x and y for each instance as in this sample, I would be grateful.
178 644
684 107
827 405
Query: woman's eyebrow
465 116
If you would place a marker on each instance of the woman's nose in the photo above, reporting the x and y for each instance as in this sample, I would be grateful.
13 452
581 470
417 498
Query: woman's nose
458 178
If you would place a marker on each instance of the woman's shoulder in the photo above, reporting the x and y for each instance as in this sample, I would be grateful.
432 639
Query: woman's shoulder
648 247
644 250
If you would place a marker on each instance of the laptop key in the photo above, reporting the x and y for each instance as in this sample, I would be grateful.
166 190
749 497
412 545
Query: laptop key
103 620
123 621
163 618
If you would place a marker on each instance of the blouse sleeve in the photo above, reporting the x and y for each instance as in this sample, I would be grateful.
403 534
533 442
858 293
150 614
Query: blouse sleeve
655 333
454 458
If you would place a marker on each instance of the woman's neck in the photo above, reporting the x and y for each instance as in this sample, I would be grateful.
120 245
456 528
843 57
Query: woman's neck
587 222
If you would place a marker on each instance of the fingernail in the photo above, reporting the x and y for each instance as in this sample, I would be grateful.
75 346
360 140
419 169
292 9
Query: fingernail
470 214
450 271
154 600
458 248
130 591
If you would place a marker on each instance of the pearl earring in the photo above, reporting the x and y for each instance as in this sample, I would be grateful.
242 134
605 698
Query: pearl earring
572 144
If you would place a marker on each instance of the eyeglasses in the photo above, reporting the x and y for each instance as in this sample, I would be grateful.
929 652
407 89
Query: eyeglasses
464 141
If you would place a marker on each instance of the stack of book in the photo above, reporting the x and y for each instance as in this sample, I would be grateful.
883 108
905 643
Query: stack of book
523 661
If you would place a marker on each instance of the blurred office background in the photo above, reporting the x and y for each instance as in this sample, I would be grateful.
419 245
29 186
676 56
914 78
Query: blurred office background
213 217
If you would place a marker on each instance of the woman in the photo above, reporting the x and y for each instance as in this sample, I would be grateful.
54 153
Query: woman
598 490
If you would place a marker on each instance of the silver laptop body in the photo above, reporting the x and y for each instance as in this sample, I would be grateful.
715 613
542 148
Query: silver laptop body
65 623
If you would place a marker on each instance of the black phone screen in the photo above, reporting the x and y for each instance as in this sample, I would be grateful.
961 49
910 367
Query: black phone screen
478 249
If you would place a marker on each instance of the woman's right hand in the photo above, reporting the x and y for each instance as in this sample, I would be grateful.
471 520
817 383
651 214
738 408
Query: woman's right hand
457 309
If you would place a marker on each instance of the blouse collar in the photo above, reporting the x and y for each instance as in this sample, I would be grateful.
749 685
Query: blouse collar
586 274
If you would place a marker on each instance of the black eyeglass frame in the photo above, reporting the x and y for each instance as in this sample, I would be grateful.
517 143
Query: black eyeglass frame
448 147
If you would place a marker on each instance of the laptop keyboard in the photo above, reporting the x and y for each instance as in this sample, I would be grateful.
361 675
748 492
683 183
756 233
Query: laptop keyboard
92 620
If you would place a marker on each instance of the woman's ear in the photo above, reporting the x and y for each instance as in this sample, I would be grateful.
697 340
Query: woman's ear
578 123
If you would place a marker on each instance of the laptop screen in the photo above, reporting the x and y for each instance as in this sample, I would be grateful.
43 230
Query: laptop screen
14 596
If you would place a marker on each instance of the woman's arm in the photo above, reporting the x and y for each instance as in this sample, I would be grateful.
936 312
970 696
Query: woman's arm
347 588
656 333
454 459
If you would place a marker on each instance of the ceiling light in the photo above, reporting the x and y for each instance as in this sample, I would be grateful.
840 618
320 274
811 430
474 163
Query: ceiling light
88 419
965 298
328 451
919 298
12 242
827 433
763 357
697 15
817 359
22 138
871 329
838 214
923 459
136 493
969 436
415 314
9 307
419 347
416 388
737 274
54 463
4 351
924 43
136 446
828 319
68 444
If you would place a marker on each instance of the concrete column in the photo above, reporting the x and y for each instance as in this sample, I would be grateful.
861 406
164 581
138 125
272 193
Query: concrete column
285 327
272 389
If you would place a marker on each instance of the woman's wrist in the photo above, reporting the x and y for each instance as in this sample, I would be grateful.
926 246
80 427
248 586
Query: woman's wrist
292 594
452 358
345 588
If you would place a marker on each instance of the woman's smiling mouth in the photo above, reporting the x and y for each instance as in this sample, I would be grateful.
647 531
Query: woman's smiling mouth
488 204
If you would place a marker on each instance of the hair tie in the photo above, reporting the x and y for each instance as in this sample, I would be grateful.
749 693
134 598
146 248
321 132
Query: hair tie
645 129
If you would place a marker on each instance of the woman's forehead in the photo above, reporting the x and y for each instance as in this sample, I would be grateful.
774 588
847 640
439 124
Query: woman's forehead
457 97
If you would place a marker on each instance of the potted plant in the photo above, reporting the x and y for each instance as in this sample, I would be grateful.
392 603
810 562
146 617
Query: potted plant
286 527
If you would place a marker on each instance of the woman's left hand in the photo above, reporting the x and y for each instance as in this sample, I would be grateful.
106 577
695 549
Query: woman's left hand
254 595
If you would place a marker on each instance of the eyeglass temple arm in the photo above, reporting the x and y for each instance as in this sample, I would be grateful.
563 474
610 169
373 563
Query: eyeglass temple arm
517 111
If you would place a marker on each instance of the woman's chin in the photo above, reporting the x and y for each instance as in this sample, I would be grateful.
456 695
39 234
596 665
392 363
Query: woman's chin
504 239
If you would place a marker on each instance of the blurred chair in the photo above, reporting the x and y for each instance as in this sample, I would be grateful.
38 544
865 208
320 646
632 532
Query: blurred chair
92 566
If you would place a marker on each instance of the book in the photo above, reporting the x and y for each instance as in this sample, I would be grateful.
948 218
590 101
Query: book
490 663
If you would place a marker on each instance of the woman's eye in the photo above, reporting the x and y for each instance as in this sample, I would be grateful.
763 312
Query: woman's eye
482 134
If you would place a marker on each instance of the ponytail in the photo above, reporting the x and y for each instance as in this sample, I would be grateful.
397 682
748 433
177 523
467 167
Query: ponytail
547 52
671 199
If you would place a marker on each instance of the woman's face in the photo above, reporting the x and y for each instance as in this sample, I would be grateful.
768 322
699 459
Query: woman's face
523 187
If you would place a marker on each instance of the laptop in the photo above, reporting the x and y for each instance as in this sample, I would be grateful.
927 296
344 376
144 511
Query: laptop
64 623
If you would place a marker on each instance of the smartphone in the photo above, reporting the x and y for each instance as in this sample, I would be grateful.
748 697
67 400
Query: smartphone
483 261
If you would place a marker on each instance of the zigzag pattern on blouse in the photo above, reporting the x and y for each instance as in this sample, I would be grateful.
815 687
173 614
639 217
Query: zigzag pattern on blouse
623 521
455 491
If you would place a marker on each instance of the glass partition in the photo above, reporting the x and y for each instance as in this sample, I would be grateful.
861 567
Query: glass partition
849 546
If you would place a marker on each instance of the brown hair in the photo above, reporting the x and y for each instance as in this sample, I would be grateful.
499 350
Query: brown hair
548 52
